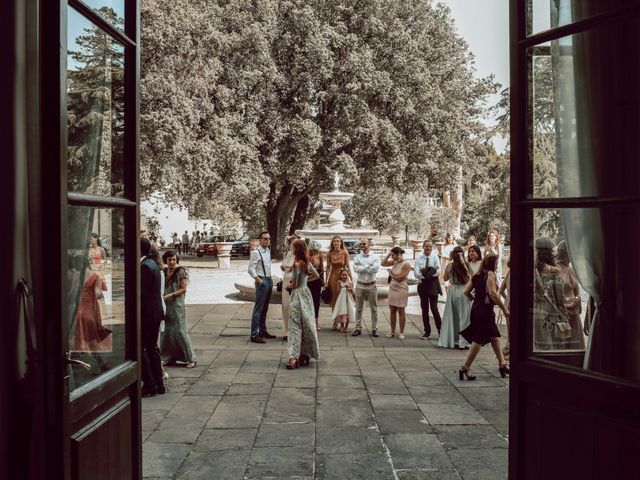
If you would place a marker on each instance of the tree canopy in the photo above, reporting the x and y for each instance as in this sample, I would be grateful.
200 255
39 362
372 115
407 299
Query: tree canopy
258 103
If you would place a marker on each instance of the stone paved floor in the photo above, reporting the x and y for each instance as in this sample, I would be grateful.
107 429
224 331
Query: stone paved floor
369 409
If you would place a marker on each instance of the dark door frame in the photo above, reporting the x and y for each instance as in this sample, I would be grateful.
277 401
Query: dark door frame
550 371
64 409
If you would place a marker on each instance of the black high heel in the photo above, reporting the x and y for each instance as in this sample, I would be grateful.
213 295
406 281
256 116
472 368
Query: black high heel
504 370
304 360
465 372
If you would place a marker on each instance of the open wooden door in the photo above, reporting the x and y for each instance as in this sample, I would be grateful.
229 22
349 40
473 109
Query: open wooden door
89 71
575 170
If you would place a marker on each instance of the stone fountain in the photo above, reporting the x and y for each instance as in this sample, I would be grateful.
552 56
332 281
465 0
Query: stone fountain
335 222
334 226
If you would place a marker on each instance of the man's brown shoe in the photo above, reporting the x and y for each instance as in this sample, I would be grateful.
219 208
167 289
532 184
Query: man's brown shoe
257 340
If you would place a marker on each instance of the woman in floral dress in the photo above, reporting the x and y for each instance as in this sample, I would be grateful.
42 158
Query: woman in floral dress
302 341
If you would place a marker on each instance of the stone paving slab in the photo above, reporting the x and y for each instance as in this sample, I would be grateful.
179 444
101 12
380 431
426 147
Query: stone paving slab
370 408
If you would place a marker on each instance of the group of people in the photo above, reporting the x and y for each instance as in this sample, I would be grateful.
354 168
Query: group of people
164 336
185 243
304 284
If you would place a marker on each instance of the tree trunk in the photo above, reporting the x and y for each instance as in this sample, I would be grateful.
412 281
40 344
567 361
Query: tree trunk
278 219
300 215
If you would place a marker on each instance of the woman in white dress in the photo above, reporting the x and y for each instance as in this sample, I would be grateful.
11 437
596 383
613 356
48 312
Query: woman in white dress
458 307
474 259
494 247
445 256
287 270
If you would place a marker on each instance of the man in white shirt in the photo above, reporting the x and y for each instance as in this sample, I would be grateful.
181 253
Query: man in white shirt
260 271
427 271
366 266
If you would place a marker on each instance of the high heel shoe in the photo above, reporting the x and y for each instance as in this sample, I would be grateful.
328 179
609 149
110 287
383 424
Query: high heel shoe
293 364
504 370
304 360
465 372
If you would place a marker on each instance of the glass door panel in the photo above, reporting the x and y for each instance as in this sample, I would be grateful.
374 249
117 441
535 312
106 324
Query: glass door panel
96 282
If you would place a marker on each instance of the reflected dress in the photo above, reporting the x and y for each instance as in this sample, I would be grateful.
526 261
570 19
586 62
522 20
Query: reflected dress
90 335
482 326
398 291
302 335
456 315
573 306
175 343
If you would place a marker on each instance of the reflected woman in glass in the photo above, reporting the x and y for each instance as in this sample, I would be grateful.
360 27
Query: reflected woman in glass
482 329
97 253
572 300
90 335
175 343
549 312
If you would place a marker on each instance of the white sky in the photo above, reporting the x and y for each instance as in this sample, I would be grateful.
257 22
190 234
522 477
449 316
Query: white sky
484 24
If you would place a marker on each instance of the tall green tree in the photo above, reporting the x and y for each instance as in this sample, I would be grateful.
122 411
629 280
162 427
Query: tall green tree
264 100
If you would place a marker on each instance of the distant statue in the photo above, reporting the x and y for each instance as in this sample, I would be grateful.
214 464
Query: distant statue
336 182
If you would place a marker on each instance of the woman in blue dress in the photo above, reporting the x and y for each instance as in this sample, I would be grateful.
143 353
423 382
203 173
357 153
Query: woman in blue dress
457 308
302 341
482 329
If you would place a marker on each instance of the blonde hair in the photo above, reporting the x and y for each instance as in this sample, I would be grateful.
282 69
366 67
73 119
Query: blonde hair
332 248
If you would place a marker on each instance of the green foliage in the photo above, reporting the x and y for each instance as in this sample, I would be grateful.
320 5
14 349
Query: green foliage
486 194
263 101
442 221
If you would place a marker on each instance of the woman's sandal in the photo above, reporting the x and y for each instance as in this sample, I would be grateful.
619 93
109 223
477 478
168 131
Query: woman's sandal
465 372
293 363
190 364
401 336
390 335
503 369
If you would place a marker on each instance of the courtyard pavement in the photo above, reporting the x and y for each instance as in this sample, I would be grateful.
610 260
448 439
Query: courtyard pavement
370 408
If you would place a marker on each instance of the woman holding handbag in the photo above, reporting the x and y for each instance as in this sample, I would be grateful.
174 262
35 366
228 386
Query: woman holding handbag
552 328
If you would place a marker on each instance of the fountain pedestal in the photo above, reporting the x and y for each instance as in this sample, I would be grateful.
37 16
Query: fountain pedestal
224 255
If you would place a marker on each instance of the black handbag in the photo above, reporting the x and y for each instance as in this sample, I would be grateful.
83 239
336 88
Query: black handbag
279 286
325 295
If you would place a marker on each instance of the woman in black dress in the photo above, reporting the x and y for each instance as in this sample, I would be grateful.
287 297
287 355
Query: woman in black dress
315 257
483 329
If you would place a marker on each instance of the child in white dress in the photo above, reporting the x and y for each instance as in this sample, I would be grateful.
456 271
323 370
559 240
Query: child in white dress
344 310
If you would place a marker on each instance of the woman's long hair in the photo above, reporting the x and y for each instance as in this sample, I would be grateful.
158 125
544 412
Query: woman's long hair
495 232
459 266
170 254
476 249
489 264
544 256
301 254
331 247
449 235
154 254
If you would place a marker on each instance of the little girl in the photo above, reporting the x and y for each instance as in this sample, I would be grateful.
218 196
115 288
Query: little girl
344 310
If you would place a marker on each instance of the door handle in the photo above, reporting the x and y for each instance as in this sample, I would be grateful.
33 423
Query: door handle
73 361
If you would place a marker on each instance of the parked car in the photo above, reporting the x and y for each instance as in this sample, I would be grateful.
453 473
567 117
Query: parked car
352 245
208 246
240 246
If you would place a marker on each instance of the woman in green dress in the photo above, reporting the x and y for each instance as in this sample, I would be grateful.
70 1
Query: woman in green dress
302 341
175 344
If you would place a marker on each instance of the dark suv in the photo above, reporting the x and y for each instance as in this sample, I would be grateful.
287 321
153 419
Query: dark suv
240 246
352 245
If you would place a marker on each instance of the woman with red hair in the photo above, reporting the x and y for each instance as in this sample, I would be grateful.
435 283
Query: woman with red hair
302 338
